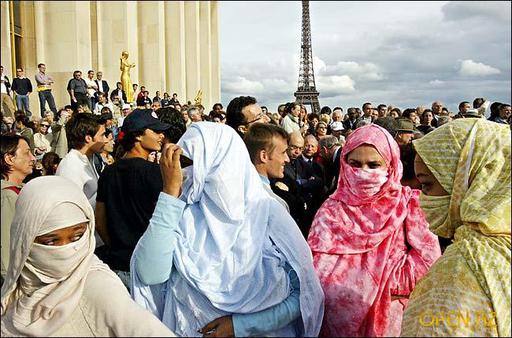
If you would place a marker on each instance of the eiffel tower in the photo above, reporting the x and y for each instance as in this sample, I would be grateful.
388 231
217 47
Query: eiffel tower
306 92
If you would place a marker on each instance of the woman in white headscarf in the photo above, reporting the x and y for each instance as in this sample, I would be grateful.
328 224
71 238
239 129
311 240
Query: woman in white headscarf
55 285
225 258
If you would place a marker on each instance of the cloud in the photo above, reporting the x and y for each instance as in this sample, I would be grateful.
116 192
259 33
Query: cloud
242 85
335 85
487 10
367 71
471 68
436 83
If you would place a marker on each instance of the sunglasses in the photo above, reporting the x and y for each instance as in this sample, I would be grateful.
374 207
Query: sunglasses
45 125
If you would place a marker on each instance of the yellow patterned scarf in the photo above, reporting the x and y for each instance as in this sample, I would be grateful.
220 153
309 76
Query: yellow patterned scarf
471 160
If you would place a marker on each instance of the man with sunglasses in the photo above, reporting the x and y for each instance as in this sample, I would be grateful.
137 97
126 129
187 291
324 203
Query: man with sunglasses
128 190
242 112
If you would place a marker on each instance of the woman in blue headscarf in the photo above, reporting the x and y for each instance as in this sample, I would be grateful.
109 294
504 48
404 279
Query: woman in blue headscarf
224 258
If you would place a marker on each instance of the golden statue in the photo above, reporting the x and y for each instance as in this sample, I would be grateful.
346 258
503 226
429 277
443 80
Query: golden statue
199 97
125 76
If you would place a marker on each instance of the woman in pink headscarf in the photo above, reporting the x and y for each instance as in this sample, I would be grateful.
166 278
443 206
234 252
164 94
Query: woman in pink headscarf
370 240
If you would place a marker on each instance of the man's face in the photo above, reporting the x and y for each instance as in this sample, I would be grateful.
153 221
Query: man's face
368 110
505 112
42 69
277 158
336 116
174 96
20 72
437 107
296 110
90 75
310 147
78 75
155 106
352 115
383 111
99 140
375 113
23 161
99 75
264 110
465 107
295 147
195 116
253 114
404 138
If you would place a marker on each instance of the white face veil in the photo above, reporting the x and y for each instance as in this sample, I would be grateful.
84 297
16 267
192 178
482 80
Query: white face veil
234 239
44 284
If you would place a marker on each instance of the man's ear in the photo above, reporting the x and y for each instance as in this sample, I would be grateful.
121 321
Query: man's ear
88 139
263 156
243 129
8 158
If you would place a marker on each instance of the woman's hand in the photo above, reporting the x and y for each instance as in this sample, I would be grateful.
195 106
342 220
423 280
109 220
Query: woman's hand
171 169
220 327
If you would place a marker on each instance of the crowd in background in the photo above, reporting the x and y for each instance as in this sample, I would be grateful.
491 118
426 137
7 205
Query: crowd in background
243 221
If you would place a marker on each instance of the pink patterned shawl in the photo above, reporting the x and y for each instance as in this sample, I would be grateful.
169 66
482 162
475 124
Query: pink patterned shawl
370 252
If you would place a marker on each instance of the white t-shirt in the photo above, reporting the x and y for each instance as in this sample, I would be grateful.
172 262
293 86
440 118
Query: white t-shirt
79 169
90 82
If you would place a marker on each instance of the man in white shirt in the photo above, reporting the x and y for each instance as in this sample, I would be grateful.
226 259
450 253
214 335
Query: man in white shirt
92 88
86 136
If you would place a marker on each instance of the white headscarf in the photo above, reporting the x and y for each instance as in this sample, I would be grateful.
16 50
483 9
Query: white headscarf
224 248
44 284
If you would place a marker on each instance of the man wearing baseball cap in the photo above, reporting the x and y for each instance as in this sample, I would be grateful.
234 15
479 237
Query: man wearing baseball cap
128 190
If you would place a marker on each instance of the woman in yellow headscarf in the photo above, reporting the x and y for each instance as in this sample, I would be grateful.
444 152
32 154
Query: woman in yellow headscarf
466 197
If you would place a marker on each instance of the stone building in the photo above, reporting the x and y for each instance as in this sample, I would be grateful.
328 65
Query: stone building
174 44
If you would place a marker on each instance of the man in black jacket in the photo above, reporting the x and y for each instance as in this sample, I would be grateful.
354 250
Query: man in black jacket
22 87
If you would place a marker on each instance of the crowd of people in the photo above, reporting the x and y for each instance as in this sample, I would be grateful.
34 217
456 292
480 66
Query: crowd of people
155 218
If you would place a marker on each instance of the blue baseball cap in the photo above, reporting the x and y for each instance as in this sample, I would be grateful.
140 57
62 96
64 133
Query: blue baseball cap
141 119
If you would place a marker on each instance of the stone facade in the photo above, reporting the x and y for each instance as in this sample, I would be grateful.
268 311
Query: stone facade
174 44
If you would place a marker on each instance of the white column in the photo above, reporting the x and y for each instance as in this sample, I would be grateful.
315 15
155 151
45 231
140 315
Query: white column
175 49
192 50
206 54
215 59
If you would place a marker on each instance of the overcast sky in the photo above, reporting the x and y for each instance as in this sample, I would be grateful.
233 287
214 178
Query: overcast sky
401 53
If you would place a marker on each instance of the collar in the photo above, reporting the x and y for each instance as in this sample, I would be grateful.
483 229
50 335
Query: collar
305 159
264 179
293 118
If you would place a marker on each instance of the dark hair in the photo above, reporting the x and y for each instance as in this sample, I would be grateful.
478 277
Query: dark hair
81 125
382 105
126 143
23 119
234 115
90 71
8 145
389 123
407 155
407 113
21 68
495 110
40 64
337 108
289 107
462 104
76 72
397 110
352 110
173 117
478 102
214 114
260 136
218 104
313 116
366 104
49 161
325 110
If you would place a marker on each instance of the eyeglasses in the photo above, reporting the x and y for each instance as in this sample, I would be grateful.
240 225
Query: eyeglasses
258 117
45 125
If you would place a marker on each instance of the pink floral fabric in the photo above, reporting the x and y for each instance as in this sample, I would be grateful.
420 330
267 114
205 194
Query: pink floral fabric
369 251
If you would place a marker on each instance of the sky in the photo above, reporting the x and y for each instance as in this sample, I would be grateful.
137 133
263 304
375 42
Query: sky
401 53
